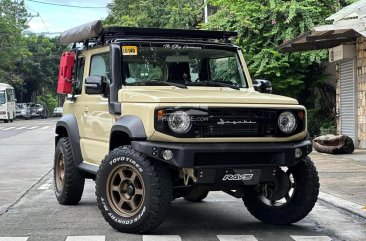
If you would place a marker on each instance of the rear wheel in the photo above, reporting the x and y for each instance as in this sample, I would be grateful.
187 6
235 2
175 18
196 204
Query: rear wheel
289 199
68 180
133 193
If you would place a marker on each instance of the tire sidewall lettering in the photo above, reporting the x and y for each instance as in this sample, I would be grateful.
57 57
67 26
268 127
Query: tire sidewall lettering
122 159
106 206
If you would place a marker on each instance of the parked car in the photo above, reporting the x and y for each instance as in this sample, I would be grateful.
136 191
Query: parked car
22 111
57 112
38 110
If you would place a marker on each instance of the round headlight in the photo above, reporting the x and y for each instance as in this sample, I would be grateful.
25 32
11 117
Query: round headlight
179 122
287 122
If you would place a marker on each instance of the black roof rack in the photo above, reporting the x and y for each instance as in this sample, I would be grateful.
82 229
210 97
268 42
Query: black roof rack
117 32
94 32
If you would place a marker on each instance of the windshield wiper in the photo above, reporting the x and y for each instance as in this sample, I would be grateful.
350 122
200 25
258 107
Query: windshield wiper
215 84
158 82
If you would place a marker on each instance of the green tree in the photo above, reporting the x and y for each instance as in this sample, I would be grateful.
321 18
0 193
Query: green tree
12 43
40 70
158 13
265 24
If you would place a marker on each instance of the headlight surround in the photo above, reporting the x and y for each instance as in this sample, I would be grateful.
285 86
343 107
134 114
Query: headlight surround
179 122
287 122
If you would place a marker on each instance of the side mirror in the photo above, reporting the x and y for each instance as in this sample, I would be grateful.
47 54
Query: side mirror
95 85
263 86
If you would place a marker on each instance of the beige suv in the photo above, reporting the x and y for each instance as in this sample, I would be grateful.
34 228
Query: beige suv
157 114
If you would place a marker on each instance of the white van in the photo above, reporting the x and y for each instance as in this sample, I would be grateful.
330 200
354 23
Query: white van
7 103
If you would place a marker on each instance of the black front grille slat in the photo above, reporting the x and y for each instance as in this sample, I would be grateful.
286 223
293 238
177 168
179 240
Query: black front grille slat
264 123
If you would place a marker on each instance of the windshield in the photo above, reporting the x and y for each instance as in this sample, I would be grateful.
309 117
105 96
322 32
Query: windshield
2 97
181 65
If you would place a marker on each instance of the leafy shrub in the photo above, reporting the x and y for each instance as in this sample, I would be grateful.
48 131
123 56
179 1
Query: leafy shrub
49 101
320 123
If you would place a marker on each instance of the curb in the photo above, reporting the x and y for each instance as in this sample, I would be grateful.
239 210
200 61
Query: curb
343 204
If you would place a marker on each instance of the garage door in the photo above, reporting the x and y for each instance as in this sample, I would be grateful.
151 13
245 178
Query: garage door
348 99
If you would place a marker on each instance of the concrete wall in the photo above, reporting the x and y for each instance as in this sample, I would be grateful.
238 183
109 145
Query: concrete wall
361 91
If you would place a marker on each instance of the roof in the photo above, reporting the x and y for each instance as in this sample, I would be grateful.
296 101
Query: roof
355 10
4 85
95 32
348 24
323 37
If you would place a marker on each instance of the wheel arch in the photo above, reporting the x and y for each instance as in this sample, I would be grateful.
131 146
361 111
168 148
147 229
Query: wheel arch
67 126
126 129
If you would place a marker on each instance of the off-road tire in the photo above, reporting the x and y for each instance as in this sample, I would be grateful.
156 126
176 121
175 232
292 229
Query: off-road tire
71 189
156 188
196 195
300 205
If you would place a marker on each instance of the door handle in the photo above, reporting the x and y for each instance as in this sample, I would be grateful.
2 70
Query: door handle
86 109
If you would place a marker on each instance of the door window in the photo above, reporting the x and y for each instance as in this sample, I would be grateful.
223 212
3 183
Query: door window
80 74
99 66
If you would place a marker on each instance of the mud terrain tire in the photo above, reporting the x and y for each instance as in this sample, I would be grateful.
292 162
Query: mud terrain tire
133 193
301 203
68 180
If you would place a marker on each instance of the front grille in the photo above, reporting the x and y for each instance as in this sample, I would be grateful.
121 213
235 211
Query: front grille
237 122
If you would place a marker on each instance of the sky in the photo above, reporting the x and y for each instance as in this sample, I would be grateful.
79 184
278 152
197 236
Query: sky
59 19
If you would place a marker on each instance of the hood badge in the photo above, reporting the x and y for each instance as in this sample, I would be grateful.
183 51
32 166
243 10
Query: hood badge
223 122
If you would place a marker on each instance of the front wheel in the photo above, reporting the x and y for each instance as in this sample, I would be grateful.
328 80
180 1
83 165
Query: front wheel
289 199
133 193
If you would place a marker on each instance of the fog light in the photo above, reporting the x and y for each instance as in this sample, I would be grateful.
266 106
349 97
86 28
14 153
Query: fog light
298 152
167 155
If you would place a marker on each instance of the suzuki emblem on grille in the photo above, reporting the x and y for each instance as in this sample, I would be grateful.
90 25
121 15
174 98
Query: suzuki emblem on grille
223 122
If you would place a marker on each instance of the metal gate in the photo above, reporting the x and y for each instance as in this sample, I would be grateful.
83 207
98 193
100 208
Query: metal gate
348 99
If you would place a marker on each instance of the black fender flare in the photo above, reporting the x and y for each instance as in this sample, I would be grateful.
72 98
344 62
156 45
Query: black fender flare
131 125
69 123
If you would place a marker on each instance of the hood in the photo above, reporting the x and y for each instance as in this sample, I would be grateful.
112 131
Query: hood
199 95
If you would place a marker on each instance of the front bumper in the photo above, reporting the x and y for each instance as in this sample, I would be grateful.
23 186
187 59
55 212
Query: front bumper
216 155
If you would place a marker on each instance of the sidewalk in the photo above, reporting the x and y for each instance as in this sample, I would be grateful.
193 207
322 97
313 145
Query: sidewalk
343 179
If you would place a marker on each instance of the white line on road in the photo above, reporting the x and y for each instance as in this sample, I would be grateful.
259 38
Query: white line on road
45 186
161 238
44 128
236 238
22 127
13 238
9 128
310 238
85 238
32 127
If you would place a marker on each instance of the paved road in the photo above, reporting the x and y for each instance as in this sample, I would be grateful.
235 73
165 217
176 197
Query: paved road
26 192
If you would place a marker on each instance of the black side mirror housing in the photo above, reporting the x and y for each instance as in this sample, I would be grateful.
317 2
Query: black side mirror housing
95 85
263 86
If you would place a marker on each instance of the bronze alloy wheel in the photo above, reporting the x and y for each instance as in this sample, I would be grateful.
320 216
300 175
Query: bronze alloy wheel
60 171
125 190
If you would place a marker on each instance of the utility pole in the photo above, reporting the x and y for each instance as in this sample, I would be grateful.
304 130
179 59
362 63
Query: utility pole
206 12
30 17
16 13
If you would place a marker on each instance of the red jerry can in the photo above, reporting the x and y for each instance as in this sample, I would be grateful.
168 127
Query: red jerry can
64 84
